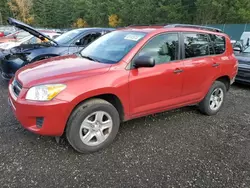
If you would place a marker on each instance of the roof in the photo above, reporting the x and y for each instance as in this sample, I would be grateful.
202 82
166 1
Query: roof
94 28
159 29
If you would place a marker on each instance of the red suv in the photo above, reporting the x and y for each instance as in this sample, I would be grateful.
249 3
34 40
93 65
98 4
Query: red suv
123 75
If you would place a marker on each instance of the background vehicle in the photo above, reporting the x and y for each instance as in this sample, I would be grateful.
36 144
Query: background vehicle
5 30
68 43
4 33
123 75
21 34
242 44
245 37
243 75
237 46
14 36
27 40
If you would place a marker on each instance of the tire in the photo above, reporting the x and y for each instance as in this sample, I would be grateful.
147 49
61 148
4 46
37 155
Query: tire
207 104
86 115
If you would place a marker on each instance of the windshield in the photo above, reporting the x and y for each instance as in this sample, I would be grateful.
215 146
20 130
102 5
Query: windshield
21 35
26 39
112 47
247 50
68 36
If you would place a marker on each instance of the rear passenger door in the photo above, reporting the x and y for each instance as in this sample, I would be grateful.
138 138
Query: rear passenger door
201 65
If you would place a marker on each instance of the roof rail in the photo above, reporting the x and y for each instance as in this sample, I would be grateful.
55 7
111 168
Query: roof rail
195 27
145 25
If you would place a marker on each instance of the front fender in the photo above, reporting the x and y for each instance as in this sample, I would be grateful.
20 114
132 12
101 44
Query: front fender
104 91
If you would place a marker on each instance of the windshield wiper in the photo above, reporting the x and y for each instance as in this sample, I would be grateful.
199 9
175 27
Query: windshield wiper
89 58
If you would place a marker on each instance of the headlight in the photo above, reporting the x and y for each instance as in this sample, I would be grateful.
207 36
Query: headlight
44 92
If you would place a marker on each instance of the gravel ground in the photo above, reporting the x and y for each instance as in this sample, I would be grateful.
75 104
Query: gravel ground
180 148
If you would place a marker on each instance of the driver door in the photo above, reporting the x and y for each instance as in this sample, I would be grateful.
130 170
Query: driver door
157 88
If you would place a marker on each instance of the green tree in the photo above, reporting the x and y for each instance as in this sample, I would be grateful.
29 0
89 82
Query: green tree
4 11
61 13
169 11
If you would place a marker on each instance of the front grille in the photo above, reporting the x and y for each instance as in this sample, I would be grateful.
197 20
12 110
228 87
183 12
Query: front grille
17 87
243 73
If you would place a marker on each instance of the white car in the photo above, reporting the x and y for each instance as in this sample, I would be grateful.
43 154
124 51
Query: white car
26 40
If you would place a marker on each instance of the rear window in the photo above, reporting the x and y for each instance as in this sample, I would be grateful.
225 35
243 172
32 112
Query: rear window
202 44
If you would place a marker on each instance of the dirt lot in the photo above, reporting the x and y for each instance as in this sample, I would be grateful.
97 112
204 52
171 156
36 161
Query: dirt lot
181 148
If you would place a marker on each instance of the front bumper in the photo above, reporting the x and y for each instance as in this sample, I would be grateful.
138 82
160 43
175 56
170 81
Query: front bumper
9 66
243 76
4 69
6 76
54 114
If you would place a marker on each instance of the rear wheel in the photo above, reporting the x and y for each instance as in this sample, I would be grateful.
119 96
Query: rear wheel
92 126
214 99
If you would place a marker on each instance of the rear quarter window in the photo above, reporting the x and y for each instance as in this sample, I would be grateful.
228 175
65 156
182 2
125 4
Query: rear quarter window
218 43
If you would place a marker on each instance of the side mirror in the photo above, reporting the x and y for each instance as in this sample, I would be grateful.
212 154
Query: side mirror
144 61
78 43
237 49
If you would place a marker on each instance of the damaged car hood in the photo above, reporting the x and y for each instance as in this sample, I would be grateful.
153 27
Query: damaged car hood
243 58
25 48
29 29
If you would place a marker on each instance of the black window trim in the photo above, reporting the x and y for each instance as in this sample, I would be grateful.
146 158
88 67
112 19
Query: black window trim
210 41
130 65
211 45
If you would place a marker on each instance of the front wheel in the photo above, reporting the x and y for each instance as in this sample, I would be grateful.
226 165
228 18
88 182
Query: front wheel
92 126
214 99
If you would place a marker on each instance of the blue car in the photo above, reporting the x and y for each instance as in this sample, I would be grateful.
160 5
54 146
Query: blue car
68 43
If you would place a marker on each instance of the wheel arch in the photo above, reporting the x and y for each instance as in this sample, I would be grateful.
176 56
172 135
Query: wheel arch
226 80
109 97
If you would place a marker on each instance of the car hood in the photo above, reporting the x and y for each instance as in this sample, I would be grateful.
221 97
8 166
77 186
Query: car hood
26 48
59 70
29 29
243 58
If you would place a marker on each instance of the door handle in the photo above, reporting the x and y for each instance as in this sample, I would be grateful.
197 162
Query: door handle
177 71
215 65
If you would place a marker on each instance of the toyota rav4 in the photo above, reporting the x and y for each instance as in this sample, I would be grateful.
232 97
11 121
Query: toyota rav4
125 74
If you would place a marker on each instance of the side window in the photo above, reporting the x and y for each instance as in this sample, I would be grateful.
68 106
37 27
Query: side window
196 45
163 48
87 39
55 36
104 32
34 40
219 43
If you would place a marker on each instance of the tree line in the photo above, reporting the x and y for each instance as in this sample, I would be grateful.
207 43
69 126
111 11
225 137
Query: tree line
115 13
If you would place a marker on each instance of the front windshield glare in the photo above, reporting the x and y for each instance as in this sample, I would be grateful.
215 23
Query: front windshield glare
247 50
112 47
